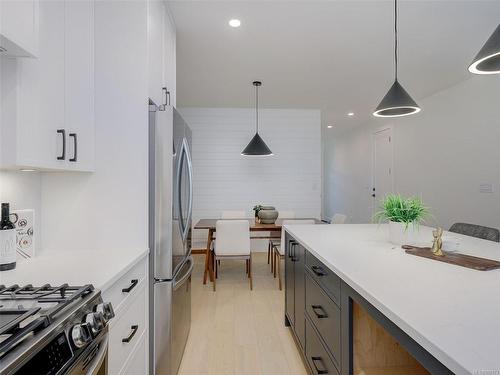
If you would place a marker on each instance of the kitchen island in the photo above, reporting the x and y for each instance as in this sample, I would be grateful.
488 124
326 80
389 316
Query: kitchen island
446 317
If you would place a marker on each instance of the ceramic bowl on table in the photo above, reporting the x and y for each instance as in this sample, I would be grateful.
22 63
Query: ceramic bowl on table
268 215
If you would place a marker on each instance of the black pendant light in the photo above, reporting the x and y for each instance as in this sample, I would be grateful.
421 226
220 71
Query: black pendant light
257 146
397 102
487 61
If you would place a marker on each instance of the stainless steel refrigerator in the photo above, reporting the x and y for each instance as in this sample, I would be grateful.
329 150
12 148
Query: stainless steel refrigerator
170 211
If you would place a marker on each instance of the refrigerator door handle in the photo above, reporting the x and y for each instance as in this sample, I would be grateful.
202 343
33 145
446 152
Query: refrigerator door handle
178 181
184 227
178 283
190 174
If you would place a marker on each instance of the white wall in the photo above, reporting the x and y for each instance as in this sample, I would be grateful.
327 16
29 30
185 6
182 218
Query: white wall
108 208
225 180
443 154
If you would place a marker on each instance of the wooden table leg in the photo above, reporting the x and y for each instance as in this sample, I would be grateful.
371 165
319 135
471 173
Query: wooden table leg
208 260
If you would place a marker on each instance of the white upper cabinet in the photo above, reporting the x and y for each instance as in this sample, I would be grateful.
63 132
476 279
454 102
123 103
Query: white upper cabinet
161 54
53 124
19 28
170 57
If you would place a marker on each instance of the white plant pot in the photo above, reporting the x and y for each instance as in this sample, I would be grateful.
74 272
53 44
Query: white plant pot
400 235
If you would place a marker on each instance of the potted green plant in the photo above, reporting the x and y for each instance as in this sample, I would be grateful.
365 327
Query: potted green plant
256 210
404 216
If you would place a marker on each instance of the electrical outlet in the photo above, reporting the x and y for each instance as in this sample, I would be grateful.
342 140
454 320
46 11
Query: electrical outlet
486 188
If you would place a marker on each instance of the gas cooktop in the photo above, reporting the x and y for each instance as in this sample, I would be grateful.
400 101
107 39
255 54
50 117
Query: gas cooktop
63 318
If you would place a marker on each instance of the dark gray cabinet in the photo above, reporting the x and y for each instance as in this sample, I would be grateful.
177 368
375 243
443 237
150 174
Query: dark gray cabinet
295 294
319 309
325 316
317 356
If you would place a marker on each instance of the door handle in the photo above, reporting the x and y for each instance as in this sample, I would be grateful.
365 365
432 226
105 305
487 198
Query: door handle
133 284
321 314
75 145
319 370
129 338
318 271
63 153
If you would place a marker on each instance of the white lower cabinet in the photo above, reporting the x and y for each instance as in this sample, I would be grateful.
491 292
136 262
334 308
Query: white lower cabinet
128 331
138 361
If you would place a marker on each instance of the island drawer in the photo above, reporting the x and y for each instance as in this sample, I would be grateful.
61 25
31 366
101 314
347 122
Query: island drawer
325 316
324 276
317 356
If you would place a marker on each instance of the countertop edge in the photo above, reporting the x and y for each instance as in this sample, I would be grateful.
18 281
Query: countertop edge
410 331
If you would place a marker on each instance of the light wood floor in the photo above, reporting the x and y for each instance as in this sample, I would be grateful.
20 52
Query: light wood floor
236 331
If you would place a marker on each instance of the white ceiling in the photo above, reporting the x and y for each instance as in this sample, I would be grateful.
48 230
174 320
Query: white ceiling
333 55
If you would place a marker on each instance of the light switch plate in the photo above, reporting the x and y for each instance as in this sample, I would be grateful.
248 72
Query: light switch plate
486 188
25 232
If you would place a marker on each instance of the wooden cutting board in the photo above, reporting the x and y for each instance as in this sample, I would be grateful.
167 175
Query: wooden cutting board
468 261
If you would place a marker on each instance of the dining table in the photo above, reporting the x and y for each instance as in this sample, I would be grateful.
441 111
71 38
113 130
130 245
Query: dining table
273 229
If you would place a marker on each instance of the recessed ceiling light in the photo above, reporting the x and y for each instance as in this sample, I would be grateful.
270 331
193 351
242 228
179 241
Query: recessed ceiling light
330 126
27 170
350 114
235 22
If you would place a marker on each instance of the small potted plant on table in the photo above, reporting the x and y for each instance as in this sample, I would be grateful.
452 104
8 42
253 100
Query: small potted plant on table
256 209
404 216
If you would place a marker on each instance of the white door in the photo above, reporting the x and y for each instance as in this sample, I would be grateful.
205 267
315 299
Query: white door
382 166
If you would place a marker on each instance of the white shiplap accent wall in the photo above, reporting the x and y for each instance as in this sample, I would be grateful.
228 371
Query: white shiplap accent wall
225 180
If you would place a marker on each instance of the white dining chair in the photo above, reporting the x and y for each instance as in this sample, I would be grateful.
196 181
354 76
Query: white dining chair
338 219
279 248
233 215
286 215
281 215
233 242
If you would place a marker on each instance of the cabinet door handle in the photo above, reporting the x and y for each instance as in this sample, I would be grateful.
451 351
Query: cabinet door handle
63 154
75 145
129 338
168 96
133 283
318 271
321 314
319 370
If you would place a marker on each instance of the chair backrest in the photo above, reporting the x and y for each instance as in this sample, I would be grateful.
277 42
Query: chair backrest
477 231
290 222
233 237
233 215
286 214
338 219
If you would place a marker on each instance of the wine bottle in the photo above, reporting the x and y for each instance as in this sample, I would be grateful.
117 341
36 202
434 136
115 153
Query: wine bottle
7 240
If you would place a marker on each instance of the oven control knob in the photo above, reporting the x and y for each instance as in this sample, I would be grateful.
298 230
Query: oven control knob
95 321
106 309
80 335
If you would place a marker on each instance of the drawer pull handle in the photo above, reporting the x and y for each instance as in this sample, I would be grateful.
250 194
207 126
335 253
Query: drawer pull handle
321 314
133 284
318 271
129 338
321 370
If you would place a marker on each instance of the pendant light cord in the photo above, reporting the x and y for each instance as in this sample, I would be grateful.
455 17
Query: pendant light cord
396 39
257 108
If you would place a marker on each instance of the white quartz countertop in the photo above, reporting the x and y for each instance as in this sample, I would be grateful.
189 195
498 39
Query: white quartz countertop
100 268
453 312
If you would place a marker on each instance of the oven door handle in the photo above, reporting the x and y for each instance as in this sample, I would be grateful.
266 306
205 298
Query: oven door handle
94 366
